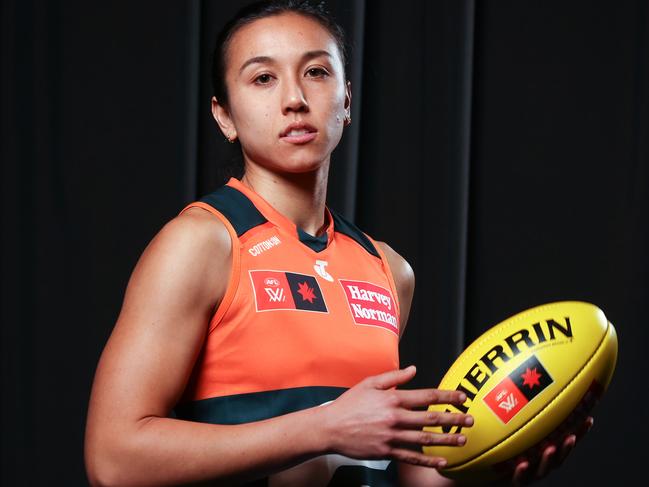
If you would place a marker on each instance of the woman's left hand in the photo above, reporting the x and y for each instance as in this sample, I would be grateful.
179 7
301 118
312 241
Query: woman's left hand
530 467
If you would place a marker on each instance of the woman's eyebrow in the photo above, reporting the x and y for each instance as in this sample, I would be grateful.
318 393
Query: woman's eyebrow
313 54
256 59
269 60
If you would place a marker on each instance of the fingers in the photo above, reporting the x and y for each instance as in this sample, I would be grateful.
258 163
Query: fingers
426 438
550 459
419 419
547 461
417 397
585 427
417 458
568 445
393 378
425 397
590 421
520 473
529 468
569 442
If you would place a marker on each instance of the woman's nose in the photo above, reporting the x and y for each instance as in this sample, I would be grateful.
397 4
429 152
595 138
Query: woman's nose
294 98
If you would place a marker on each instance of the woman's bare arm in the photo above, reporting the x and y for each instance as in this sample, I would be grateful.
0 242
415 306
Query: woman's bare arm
147 361
149 357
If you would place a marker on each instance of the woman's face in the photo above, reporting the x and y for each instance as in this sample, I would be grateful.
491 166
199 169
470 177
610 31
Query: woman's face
287 96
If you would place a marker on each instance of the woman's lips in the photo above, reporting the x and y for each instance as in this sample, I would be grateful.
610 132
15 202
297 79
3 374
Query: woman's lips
298 133
299 138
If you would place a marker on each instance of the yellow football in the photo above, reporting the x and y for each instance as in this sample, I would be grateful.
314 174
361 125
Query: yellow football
523 378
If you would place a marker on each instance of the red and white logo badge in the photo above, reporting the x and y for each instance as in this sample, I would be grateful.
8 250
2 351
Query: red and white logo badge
516 390
505 400
275 290
371 304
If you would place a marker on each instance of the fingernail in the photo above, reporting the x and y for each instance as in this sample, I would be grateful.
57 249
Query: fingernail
441 463
462 396
461 440
468 420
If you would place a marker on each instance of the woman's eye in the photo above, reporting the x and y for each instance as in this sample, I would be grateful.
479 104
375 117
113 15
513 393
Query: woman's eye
263 79
317 73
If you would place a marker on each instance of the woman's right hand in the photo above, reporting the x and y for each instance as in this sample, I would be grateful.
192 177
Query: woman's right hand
375 420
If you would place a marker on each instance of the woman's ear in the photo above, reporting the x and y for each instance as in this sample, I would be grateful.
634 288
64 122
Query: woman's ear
222 116
348 103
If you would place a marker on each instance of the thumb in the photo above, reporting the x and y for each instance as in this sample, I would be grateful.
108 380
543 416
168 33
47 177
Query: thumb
394 378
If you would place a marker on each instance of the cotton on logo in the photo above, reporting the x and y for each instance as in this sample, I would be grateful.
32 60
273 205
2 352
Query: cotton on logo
275 295
509 403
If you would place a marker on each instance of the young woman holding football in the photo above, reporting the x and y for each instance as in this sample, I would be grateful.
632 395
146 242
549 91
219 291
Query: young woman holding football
254 404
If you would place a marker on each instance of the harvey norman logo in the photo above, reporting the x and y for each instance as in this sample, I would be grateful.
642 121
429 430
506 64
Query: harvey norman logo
371 304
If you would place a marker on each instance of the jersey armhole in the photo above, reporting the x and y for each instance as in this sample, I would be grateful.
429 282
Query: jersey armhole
388 272
233 280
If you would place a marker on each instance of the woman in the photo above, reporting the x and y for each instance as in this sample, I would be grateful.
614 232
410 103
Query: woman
269 323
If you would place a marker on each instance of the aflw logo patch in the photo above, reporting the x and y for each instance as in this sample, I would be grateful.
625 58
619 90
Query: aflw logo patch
371 304
517 389
277 290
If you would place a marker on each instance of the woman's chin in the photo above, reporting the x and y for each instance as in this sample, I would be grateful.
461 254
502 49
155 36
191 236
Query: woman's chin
292 165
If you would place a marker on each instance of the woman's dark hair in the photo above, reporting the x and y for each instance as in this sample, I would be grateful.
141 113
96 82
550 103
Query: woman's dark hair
260 10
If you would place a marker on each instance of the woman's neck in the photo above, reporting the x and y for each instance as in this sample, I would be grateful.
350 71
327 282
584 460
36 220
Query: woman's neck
299 197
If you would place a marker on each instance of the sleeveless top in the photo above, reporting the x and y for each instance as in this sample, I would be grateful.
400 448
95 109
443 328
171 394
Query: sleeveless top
303 319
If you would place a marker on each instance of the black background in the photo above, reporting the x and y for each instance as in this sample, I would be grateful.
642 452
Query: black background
501 147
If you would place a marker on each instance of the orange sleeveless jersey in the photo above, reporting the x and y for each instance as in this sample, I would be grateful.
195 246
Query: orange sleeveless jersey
303 319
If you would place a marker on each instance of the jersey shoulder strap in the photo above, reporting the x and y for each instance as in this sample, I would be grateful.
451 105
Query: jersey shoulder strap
344 226
236 207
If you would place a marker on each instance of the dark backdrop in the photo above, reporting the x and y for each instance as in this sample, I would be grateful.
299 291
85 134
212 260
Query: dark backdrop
501 147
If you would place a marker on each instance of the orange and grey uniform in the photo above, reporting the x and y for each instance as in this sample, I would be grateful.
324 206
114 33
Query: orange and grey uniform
303 319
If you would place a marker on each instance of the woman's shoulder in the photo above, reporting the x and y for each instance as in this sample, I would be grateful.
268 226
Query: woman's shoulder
187 260
194 238
401 270
196 218
199 231
404 281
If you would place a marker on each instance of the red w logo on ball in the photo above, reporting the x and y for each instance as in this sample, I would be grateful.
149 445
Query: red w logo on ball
517 389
